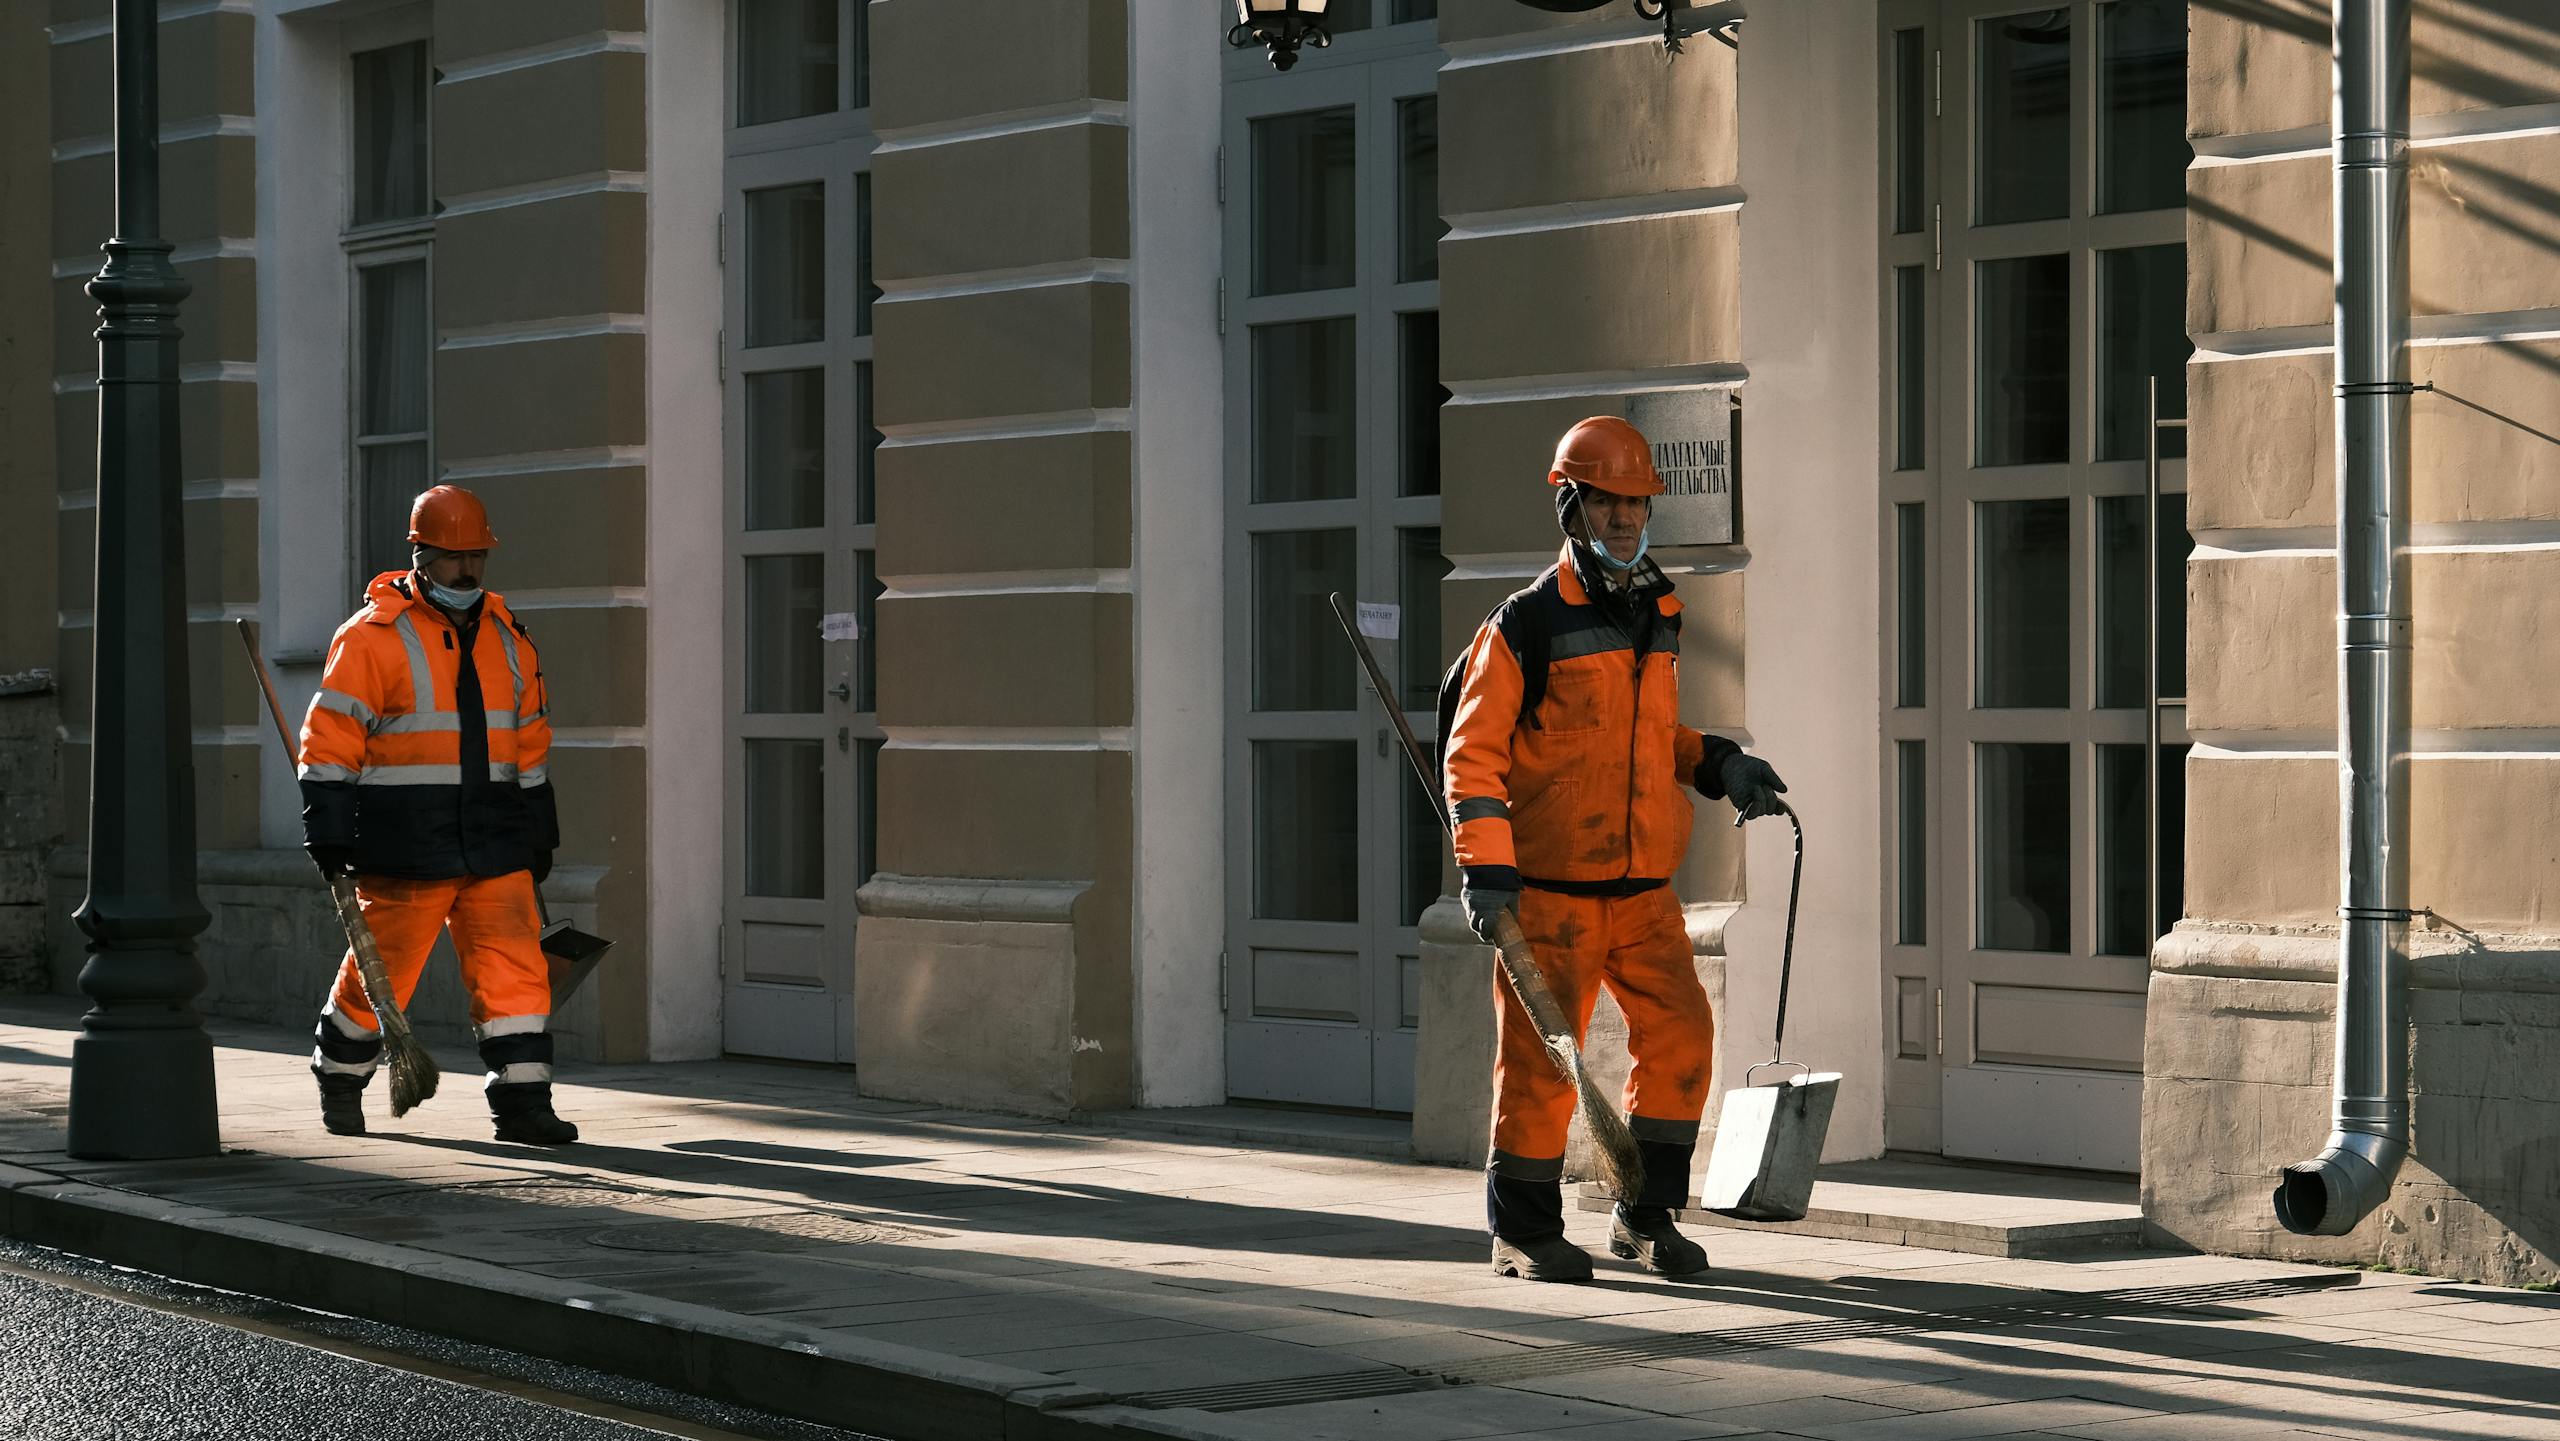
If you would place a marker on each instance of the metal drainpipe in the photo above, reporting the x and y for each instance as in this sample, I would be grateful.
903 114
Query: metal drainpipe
2328 1194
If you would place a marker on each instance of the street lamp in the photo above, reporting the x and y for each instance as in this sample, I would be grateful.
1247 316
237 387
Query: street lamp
142 1069
1281 24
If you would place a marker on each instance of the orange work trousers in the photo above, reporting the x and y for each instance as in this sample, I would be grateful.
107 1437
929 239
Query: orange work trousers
1637 946
497 933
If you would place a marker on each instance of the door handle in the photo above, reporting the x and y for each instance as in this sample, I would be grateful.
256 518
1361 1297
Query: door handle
841 690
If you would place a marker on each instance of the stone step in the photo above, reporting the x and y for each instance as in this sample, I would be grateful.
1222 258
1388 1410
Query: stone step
1976 1210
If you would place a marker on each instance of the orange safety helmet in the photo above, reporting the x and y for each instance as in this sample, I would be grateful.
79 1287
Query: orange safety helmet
1607 452
450 518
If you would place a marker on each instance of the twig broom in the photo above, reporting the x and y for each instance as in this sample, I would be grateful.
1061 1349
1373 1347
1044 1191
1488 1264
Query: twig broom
413 1071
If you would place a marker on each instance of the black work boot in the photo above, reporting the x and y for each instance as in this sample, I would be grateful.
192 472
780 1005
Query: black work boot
523 1113
1527 1221
342 1101
1642 1231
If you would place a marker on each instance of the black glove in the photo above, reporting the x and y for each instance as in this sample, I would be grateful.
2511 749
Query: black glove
1751 785
333 861
541 867
1484 893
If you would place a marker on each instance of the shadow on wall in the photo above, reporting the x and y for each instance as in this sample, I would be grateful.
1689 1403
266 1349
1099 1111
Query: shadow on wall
30 827
2521 26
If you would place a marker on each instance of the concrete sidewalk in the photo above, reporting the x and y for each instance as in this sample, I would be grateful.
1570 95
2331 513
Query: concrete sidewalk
756 1232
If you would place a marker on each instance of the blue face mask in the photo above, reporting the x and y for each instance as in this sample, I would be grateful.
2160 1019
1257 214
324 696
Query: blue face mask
1644 542
452 599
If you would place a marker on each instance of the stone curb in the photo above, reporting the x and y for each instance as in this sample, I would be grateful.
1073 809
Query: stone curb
895 1391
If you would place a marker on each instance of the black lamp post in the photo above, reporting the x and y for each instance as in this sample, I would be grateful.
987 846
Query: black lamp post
1283 25
142 1069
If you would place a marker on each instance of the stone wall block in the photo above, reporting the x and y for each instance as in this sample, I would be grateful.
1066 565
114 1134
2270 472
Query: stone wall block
2258 245
1534 138
2263 65
2262 642
1525 304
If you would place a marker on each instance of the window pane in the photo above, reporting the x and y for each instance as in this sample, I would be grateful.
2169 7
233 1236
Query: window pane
2022 117
1911 102
2120 873
397 350
390 104
866 759
1418 363
1305 410
786 449
1304 213
1910 368
1306 842
392 477
1419 571
1342 16
1425 845
2120 598
1911 823
784 654
864 292
1911 605
786 59
786 264
866 448
786 819
2022 372
2023 861
860 54
2142 332
1299 659
1418 223
2022 603
1406 10
2142 105
867 586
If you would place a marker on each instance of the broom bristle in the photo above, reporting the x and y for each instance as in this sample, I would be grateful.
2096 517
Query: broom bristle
413 1075
1622 1168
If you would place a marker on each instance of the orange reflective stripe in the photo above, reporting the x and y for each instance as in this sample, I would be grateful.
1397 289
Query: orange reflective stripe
1480 748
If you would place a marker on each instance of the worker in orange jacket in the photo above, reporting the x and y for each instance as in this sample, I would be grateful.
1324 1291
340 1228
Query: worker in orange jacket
1566 770
423 771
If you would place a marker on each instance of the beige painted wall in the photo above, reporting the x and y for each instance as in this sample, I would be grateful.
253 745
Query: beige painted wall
2254 955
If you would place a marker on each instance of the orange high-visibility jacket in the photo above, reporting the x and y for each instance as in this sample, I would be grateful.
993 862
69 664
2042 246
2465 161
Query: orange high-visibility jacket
1587 792
426 750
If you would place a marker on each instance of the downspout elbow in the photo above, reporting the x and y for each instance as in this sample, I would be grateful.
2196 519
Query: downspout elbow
2328 1194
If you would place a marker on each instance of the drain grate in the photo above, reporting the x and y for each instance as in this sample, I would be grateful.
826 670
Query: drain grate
785 1231
2048 1308
472 1196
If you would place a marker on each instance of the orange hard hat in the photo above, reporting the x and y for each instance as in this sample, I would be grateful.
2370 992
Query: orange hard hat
450 518
1607 452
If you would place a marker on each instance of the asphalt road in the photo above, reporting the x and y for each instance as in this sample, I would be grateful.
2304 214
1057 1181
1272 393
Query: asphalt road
94 1353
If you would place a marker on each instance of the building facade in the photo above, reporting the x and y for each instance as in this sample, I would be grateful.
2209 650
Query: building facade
926 437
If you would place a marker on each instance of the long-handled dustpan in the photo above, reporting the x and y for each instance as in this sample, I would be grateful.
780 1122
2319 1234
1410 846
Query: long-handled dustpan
571 953
1769 1138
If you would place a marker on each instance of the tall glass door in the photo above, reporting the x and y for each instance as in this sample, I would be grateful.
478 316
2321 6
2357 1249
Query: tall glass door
1332 330
2035 290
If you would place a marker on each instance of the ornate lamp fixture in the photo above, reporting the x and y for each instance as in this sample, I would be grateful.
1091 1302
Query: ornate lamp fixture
1680 18
1283 25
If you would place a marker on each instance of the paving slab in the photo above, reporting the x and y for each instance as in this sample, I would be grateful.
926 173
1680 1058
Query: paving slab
762 1232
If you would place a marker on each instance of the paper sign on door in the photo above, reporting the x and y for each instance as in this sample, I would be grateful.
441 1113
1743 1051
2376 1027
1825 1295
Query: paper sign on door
840 625
1380 622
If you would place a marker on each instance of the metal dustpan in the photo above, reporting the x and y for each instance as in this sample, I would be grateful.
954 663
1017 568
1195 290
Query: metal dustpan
1769 1138
572 953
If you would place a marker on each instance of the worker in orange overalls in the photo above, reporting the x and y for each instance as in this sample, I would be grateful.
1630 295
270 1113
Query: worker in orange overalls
1566 770
423 775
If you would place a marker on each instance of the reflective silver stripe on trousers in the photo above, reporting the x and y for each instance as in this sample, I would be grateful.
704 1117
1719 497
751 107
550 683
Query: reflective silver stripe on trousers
422 678
522 1073
497 1026
345 1025
429 775
322 1063
347 705
325 773
532 776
